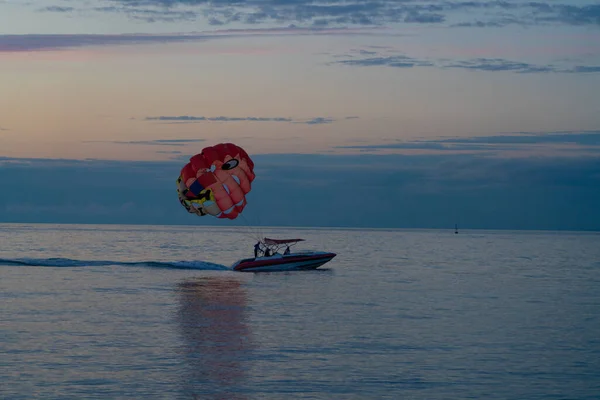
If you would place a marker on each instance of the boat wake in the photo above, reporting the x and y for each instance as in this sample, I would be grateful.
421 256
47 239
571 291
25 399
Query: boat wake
66 262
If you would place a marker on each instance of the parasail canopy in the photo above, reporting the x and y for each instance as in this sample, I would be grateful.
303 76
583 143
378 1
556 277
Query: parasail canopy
215 181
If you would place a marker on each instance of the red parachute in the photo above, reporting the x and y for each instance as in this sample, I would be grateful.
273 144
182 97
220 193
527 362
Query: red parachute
216 181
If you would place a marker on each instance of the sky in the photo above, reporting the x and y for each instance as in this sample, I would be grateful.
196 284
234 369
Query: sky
388 113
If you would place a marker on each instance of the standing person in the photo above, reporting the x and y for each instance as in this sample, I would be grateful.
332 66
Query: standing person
256 249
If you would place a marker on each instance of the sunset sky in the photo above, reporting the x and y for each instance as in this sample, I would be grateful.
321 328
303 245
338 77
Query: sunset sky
428 96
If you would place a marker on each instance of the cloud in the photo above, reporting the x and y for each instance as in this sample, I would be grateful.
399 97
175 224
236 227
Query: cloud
318 121
571 143
156 142
423 18
477 64
397 61
188 118
385 191
295 30
358 12
57 9
584 69
169 152
496 64
591 138
150 15
47 42
39 42
427 145
502 13
328 12
496 23
569 14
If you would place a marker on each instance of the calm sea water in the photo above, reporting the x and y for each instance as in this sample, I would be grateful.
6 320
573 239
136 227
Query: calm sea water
126 312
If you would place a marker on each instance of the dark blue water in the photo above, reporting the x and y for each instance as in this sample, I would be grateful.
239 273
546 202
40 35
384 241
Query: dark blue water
125 312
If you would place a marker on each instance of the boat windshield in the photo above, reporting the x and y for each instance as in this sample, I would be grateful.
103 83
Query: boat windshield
274 245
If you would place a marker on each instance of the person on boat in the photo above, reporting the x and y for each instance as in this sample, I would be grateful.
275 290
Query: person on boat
287 251
268 252
256 249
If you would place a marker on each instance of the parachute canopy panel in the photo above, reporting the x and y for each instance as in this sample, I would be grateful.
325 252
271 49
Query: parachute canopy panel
216 181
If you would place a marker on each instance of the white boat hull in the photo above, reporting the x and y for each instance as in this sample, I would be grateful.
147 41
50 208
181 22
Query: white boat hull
278 262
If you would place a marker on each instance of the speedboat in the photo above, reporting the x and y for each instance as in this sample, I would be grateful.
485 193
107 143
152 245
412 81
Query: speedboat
272 260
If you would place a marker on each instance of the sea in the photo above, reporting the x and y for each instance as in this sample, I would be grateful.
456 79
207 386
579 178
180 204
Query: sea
155 312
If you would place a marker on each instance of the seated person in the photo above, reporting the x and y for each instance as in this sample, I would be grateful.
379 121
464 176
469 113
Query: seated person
287 251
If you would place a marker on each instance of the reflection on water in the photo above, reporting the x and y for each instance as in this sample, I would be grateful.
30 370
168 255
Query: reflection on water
212 322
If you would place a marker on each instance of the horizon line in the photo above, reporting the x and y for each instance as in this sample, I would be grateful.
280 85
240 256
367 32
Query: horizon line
349 228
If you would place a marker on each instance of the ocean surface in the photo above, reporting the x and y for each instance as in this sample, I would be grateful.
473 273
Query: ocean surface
155 312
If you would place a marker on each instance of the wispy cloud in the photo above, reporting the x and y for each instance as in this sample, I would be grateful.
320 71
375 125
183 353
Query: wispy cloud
150 15
325 13
317 121
496 64
396 61
493 23
374 59
357 12
192 119
568 14
35 42
57 9
47 42
572 141
156 142
580 138
427 145
584 69
295 30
